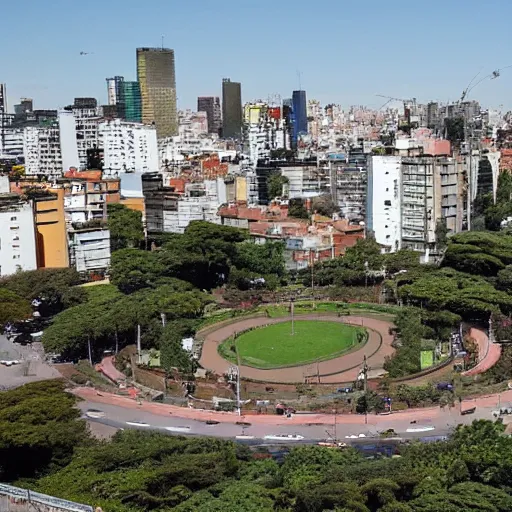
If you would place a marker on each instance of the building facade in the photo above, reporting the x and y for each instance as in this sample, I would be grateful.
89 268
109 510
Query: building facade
131 102
211 105
231 109
114 89
300 115
41 147
128 147
17 235
157 79
51 234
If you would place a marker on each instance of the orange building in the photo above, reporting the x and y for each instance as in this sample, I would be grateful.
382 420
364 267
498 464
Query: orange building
51 234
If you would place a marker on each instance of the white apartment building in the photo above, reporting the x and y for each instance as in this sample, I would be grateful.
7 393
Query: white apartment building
41 147
17 236
200 202
68 140
128 147
383 201
87 136
11 143
90 250
408 197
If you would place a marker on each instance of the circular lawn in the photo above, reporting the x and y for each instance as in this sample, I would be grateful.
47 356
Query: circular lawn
274 346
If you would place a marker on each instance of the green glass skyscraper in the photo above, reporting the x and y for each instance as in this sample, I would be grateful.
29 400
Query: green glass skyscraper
131 101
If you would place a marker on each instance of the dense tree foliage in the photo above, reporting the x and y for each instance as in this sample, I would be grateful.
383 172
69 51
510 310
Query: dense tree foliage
145 471
52 286
275 183
12 307
296 209
110 317
39 430
125 226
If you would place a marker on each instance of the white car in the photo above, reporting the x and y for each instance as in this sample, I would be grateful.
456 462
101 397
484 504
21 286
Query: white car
284 437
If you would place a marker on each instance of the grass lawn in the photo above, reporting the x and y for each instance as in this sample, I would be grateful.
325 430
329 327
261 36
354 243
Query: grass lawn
274 346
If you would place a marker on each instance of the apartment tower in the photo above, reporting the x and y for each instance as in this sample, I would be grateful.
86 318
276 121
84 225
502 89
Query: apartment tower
211 105
157 79
231 109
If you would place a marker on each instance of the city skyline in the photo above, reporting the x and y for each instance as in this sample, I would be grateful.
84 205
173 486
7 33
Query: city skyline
378 50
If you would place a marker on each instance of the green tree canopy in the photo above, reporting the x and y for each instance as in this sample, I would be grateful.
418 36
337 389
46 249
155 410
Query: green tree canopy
12 307
125 226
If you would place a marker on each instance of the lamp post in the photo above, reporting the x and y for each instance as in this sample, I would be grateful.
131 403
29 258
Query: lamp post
292 301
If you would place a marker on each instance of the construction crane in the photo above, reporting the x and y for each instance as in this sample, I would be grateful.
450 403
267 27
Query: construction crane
491 76
390 99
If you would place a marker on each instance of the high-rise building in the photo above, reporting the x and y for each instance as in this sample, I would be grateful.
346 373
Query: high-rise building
25 105
3 99
157 79
300 115
114 89
131 102
231 109
211 105
128 147
87 119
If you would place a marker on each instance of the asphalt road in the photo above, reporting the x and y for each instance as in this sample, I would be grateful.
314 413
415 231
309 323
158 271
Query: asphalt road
32 365
123 418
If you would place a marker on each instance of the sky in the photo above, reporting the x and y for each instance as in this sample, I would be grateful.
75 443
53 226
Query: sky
344 51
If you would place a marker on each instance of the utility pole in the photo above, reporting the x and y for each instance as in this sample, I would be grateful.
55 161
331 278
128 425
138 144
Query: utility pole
292 301
89 347
138 343
365 389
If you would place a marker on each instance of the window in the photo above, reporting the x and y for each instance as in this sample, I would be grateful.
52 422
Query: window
13 218
16 256
387 202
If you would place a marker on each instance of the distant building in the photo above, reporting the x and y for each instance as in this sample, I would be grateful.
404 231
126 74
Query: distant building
131 102
231 109
89 249
23 107
300 115
87 120
114 86
157 79
51 234
68 140
17 235
42 151
128 147
3 99
211 105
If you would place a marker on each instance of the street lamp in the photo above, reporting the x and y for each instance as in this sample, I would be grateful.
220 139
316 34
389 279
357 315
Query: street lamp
292 301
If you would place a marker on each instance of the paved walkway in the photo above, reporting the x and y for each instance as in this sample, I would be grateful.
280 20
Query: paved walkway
488 353
344 368
110 371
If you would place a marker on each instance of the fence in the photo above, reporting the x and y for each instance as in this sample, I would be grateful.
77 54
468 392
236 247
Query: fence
23 500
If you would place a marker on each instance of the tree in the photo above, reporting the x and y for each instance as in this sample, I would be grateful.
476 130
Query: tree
134 269
12 307
260 258
404 259
39 430
275 183
125 226
365 250
173 355
324 205
48 285
296 209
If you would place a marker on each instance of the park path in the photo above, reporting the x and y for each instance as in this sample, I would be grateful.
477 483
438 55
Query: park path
488 352
341 369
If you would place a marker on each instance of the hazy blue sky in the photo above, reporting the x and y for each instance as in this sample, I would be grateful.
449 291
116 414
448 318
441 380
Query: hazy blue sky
346 50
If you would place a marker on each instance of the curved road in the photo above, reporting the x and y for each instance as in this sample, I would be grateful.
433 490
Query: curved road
123 412
341 369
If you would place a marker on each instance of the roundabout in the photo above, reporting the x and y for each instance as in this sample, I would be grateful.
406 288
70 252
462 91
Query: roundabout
288 344
332 362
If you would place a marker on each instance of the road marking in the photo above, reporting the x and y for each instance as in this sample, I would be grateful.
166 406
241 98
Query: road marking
178 429
420 429
138 424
